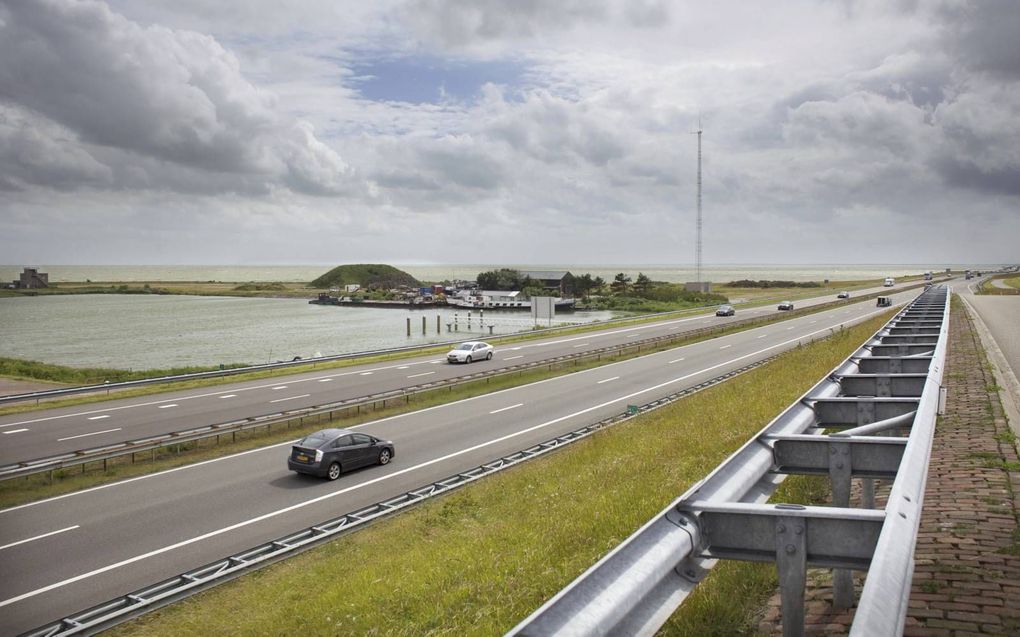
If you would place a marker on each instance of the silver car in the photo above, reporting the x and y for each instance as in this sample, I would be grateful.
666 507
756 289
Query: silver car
470 352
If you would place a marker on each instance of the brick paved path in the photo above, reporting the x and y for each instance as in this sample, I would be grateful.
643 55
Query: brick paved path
967 560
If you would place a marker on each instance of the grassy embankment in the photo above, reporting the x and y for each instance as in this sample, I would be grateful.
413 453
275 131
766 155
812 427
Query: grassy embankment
60 481
477 561
1012 280
188 288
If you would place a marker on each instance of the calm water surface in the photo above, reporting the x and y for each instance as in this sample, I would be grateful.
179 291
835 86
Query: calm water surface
151 332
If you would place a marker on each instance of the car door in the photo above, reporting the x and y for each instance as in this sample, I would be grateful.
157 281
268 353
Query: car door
363 449
342 452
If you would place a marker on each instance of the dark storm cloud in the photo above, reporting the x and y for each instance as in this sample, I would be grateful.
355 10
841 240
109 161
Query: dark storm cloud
985 35
151 93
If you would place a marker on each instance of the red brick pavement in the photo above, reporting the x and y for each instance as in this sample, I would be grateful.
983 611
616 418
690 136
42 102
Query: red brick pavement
967 559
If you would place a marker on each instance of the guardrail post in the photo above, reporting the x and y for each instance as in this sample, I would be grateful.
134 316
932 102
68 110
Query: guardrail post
868 493
839 475
791 564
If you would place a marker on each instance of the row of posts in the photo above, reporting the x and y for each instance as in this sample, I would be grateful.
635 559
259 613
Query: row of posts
450 327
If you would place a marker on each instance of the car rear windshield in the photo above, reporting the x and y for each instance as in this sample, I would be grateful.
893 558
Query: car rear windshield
314 440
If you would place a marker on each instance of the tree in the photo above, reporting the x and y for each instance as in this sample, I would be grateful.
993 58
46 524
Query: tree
502 279
620 284
642 284
582 285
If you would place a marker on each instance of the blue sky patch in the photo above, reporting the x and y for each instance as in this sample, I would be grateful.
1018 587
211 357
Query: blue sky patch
431 80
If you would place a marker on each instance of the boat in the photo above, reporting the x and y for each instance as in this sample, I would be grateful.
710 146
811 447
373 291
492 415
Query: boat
500 300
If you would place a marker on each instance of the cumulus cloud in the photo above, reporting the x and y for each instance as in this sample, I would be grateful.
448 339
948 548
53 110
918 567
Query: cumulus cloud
822 122
152 96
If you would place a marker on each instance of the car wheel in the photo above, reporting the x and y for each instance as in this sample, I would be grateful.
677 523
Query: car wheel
384 456
467 360
334 471
488 356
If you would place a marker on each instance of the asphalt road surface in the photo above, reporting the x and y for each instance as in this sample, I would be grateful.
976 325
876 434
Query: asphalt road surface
48 433
65 554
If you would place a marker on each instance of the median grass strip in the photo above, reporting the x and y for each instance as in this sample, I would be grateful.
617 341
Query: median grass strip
477 561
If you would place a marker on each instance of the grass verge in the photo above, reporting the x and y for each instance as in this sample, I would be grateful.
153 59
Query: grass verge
478 560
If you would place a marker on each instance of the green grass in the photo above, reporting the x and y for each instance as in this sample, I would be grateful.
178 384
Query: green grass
477 561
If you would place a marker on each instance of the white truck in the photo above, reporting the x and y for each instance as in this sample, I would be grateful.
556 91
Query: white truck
889 282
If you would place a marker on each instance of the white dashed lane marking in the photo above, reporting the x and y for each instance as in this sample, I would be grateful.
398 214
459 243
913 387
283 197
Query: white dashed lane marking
94 433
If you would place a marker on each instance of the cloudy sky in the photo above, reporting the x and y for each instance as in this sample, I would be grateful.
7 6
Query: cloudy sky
486 131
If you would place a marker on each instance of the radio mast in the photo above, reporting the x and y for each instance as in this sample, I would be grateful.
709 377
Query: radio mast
698 253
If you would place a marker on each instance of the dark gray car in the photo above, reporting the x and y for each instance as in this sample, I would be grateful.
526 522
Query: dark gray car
330 452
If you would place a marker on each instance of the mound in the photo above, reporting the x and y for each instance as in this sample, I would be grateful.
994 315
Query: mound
374 275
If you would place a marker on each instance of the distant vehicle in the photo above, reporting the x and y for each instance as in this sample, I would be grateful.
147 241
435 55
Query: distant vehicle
330 452
969 276
725 310
927 276
470 352
884 301
785 305
889 282
843 295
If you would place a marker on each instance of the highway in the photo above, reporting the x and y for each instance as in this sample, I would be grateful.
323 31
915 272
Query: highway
51 432
998 315
61 555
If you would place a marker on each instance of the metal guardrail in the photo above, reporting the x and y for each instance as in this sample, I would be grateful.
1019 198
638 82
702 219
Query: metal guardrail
174 438
636 587
139 602
410 349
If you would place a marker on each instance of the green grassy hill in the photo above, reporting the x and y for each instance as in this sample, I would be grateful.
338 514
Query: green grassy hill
365 275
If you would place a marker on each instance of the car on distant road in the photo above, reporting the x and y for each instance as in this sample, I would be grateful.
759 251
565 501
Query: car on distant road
843 295
725 310
470 352
785 305
889 282
330 452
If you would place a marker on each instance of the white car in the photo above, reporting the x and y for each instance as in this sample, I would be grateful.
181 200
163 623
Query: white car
843 295
470 352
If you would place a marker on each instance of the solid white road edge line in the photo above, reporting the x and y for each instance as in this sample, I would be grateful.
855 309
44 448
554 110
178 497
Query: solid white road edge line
38 537
482 445
94 433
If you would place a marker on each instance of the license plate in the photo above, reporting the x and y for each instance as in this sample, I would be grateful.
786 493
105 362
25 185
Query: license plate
302 458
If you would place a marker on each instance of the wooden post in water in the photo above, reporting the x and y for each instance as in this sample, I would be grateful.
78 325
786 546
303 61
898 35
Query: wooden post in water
423 326
408 325
439 328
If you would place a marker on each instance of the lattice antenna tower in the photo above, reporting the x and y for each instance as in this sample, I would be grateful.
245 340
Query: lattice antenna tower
697 257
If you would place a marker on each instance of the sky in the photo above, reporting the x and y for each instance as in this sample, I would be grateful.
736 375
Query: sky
486 131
